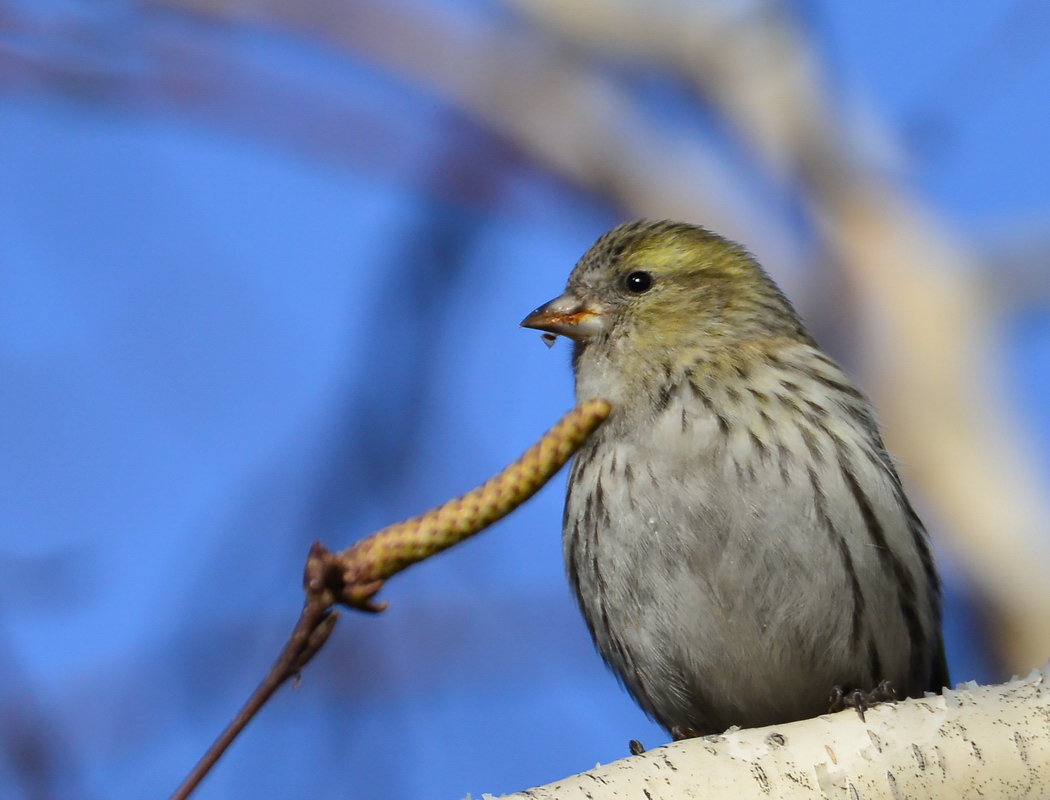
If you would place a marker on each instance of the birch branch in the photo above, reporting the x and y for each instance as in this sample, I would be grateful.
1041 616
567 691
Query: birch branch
991 742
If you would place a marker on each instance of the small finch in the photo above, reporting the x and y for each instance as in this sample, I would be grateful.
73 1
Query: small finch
735 533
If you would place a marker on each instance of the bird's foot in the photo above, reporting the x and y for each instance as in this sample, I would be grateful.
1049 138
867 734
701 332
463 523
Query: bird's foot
861 701
680 732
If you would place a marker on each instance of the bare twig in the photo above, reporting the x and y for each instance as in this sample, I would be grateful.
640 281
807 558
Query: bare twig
352 577
315 624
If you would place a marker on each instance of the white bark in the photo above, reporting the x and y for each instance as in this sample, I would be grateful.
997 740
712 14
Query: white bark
974 741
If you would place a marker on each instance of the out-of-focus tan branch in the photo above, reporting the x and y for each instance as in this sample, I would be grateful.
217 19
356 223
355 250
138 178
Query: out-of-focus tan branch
566 114
931 355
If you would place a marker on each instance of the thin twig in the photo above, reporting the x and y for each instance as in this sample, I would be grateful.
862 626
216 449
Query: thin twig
353 576
316 623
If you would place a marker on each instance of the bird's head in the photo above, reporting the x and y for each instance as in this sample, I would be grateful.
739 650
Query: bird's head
660 290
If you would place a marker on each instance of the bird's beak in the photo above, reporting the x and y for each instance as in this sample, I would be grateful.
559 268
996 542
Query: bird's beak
567 316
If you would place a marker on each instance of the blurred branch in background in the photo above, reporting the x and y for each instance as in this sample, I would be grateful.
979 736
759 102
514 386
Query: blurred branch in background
559 110
158 64
1019 266
34 755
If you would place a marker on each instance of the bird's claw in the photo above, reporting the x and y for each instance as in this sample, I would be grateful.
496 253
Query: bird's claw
859 700
680 732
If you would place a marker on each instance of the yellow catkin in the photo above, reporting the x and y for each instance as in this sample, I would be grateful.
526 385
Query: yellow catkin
390 550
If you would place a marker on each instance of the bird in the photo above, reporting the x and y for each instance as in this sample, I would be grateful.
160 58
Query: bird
736 535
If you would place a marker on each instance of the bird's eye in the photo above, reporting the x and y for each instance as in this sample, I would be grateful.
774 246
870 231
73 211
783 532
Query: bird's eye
638 282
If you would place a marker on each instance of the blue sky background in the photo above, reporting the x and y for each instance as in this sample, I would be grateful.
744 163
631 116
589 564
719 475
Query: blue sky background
228 329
